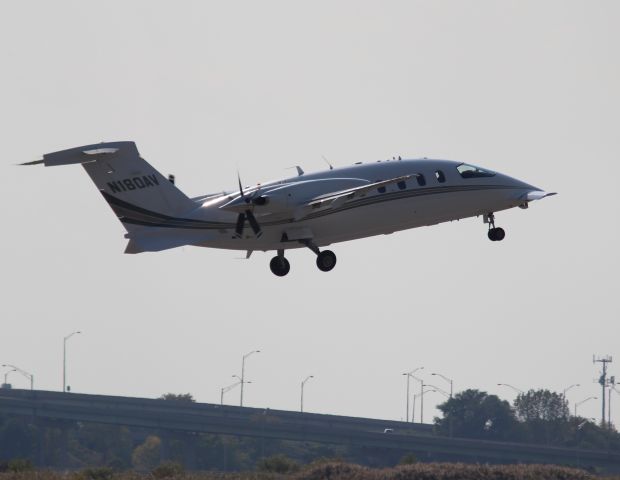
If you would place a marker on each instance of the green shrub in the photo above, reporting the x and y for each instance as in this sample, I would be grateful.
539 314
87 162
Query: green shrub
20 465
96 473
167 470
278 464
409 459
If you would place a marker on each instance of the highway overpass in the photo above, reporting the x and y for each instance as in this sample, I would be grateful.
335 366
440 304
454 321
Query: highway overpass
176 416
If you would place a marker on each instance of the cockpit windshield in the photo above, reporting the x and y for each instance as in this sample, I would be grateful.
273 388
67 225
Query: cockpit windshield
470 171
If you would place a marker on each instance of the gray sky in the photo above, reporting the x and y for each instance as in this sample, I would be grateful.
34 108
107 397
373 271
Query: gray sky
528 88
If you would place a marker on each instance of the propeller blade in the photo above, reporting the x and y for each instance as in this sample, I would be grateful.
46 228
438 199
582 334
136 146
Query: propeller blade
253 223
240 186
239 226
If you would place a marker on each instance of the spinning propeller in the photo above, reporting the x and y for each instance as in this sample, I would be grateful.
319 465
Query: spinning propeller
248 214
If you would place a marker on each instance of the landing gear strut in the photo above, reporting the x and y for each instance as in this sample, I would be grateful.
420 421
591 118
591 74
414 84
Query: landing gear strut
279 265
495 234
325 260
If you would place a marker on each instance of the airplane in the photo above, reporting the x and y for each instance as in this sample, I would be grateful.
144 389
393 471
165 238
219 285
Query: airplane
310 210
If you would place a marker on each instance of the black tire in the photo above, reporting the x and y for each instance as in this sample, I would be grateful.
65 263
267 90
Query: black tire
326 260
279 266
491 234
499 234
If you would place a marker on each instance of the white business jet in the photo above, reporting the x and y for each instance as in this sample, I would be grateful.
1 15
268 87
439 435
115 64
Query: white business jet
311 210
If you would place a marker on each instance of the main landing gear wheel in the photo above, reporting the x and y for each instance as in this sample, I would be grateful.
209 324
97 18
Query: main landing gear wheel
279 266
496 234
326 260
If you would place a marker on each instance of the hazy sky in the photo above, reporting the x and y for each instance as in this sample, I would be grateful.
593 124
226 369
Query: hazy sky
528 88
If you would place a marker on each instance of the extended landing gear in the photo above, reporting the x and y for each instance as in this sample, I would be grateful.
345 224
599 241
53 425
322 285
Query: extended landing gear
279 265
325 260
496 234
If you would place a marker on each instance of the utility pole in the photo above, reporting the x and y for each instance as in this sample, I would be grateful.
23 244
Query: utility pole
603 381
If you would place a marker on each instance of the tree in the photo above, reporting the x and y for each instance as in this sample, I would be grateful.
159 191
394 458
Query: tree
147 455
178 397
476 414
541 405
544 417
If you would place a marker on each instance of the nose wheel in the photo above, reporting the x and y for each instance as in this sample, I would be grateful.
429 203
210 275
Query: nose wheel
279 265
495 234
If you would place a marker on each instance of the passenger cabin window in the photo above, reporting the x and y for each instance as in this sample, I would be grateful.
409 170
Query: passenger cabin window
381 189
421 180
440 176
469 171
401 185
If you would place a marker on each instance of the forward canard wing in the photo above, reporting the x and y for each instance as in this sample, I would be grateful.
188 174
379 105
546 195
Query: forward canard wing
537 195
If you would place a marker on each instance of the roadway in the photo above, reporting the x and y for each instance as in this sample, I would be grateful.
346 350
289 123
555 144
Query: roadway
177 416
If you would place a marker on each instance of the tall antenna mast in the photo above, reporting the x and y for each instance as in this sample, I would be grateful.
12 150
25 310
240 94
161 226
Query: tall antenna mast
602 380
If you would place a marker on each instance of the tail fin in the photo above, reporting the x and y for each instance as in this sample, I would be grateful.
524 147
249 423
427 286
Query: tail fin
138 194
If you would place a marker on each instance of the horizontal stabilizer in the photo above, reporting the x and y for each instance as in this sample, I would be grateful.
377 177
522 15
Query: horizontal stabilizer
35 162
88 154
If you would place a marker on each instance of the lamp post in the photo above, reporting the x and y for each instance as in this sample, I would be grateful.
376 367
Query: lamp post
439 390
583 401
421 395
409 375
302 391
568 388
64 359
227 389
449 380
518 390
6 376
243 374
24 373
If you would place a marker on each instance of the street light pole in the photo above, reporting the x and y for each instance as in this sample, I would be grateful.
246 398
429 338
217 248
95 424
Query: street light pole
227 389
243 374
302 391
568 388
6 376
24 373
518 390
583 401
409 374
446 379
415 396
64 359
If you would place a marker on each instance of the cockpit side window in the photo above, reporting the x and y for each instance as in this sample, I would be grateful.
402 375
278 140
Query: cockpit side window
421 180
469 171
440 176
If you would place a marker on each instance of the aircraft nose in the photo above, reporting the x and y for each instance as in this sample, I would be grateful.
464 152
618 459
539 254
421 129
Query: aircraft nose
520 184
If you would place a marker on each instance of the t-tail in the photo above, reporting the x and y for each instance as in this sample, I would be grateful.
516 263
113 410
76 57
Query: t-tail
139 195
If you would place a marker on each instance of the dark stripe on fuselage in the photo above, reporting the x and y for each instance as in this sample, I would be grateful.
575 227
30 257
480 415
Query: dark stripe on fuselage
144 217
